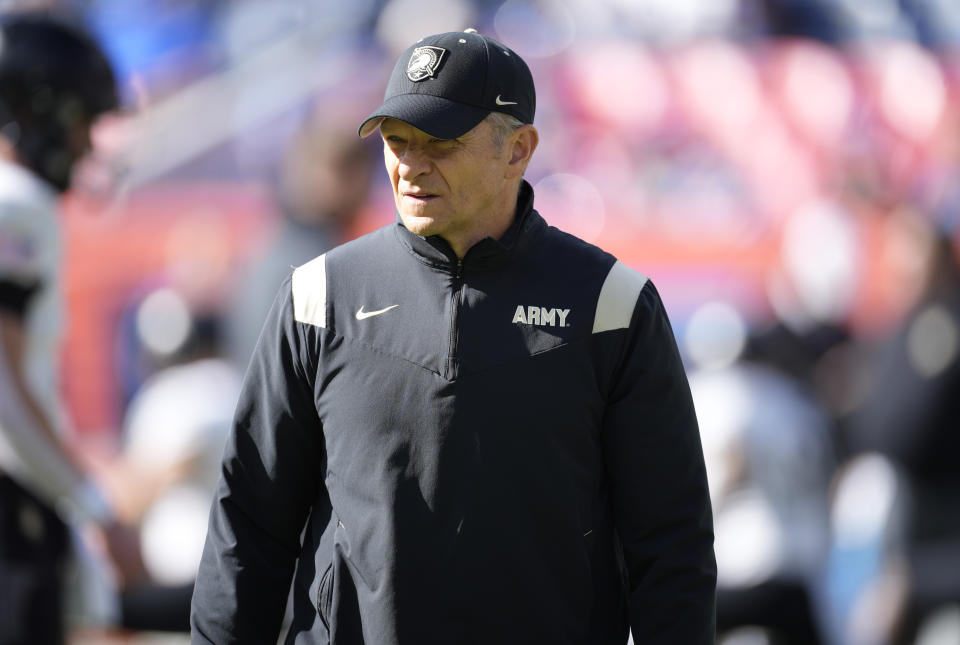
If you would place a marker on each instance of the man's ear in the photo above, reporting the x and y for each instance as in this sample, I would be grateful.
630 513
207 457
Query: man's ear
523 142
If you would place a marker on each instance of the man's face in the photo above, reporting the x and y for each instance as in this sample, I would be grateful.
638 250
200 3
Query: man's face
445 187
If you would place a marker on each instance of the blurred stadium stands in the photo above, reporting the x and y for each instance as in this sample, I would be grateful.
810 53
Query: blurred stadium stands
731 150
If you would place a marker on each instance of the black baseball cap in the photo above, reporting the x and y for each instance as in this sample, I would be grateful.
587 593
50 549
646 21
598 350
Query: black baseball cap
446 84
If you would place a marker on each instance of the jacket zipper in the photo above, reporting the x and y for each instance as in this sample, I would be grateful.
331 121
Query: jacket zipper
455 316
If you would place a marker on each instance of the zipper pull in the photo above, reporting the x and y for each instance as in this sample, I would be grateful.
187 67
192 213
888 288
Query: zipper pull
459 267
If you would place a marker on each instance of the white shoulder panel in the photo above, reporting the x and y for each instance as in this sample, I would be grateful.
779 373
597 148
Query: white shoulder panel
618 297
310 292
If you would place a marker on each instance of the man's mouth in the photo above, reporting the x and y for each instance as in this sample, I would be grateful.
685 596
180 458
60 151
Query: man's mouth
419 196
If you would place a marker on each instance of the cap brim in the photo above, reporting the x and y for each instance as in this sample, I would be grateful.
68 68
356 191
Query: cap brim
437 116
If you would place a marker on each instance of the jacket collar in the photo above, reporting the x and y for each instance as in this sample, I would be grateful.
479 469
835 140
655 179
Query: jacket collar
488 252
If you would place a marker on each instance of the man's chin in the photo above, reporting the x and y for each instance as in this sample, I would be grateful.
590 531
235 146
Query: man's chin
423 225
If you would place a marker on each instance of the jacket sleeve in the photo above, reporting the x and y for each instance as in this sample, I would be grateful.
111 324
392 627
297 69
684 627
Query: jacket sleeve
661 503
272 468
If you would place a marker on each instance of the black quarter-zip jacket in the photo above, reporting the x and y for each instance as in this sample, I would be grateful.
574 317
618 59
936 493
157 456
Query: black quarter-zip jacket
501 449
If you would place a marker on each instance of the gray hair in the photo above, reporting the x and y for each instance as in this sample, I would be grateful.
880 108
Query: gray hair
502 125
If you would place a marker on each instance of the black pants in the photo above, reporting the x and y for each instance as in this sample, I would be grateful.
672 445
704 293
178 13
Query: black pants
34 544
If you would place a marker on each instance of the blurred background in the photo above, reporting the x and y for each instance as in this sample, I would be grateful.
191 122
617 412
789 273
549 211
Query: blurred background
786 171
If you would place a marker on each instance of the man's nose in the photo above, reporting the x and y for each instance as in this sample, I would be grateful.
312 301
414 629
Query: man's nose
413 163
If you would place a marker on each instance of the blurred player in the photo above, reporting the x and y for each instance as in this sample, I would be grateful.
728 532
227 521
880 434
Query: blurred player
54 83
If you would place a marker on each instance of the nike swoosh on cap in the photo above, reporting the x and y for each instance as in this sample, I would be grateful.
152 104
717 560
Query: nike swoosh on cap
500 101
361 314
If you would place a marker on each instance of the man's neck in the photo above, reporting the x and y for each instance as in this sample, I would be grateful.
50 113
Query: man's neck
495 227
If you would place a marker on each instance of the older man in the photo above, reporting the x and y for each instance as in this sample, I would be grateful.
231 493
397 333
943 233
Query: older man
466 427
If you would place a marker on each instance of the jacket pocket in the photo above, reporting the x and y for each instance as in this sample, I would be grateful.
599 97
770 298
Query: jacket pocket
325 596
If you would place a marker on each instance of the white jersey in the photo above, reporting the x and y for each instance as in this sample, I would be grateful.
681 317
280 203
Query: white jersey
30 255
30 261
30 252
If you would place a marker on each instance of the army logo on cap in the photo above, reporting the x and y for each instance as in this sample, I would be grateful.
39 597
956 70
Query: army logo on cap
424 62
